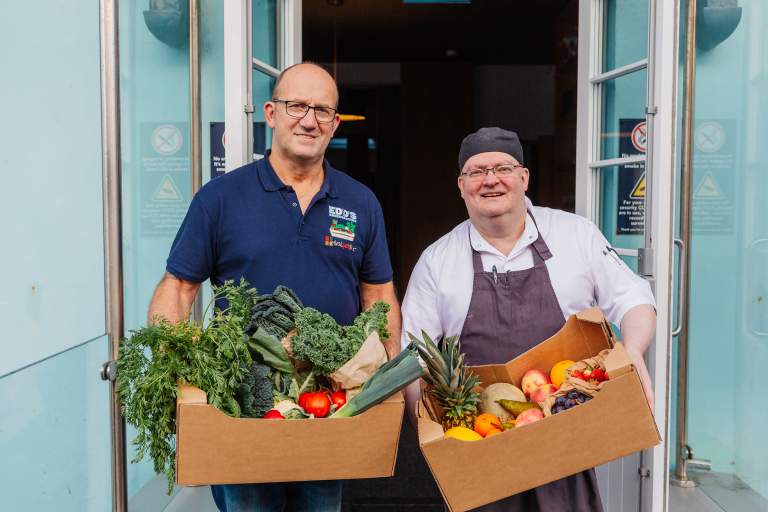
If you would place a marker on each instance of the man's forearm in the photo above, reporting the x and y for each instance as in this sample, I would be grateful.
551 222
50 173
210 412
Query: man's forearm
370 293
638 327
172 299
394 323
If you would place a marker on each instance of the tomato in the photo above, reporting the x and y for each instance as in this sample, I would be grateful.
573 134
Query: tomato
317 403
303 399
273 414
339 398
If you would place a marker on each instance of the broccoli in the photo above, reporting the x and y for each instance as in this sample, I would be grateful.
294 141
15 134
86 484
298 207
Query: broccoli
255 393
321 341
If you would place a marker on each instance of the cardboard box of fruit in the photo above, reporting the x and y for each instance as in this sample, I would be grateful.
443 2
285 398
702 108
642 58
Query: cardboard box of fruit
571 403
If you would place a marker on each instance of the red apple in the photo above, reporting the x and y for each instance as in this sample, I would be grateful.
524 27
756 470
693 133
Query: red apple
542 393
528 416
532 380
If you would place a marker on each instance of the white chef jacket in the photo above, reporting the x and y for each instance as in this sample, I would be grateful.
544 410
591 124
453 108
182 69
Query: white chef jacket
584 271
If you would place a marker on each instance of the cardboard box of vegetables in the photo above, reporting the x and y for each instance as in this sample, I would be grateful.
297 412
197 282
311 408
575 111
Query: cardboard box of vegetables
571 403
267 391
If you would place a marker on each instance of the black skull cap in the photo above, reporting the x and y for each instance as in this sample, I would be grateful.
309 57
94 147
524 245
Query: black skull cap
487 140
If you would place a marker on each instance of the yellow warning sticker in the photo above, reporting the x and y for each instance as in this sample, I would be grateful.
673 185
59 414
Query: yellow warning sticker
638 192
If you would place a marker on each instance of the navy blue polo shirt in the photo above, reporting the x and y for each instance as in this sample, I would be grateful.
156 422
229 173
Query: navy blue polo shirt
248 223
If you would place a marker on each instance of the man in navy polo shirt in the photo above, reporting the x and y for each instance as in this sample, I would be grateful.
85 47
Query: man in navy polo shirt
288 219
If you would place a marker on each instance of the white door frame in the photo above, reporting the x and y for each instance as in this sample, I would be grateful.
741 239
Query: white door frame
662 77
239 65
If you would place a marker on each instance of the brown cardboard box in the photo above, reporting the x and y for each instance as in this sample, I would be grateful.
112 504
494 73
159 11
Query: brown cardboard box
616 422
213 448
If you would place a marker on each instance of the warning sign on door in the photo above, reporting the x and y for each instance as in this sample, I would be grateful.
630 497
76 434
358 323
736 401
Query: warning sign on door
165 185
714 171
630 211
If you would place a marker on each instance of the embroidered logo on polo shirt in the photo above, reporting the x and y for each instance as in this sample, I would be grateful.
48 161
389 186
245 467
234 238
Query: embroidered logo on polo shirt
342 228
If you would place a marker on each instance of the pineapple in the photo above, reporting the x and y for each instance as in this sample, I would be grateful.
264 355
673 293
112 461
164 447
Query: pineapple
450 382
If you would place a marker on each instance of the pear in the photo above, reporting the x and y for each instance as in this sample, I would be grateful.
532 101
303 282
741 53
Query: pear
516 407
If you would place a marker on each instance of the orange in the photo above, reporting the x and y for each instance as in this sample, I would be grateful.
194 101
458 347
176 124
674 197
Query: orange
492 432
558 372
485 422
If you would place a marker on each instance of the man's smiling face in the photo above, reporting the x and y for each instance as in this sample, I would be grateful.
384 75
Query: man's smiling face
302 139
492 196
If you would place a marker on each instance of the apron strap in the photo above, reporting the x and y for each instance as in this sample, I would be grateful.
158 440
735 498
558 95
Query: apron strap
541 250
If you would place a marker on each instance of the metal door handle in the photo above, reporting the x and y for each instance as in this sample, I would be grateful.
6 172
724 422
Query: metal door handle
756 243
680 292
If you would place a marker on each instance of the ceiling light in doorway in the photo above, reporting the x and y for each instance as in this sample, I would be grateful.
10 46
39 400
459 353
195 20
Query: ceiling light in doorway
716 20
465 2
351 117
168 20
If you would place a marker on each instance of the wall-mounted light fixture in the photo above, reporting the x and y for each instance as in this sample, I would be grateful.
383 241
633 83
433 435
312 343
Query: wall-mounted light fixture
168 20
716 21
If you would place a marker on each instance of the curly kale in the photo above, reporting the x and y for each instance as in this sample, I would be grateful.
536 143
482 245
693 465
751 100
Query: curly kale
255 393
328 346
372 319
274 313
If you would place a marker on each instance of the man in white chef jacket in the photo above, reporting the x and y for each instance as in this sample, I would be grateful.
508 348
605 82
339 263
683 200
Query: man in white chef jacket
508 277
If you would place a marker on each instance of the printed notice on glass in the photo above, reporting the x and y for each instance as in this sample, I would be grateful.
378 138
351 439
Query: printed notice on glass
630 211
714 167
165 177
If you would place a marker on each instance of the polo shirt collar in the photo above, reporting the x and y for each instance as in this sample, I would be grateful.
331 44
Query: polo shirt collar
272 182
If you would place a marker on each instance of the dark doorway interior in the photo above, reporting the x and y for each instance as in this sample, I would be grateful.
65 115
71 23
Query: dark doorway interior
424 76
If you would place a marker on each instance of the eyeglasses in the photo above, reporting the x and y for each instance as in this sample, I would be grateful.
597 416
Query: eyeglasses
500 171
298 110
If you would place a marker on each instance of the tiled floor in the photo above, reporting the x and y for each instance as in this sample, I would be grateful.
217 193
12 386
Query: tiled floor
716 493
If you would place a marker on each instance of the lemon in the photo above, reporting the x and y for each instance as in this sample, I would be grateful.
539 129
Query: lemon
558 372
463 434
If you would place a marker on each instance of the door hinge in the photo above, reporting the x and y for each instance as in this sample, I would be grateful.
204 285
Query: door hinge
644 472
651 111
645 261
248 109
109 371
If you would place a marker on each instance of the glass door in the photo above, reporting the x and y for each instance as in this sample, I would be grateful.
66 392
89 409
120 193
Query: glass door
159 119
54 407
724 451
626 131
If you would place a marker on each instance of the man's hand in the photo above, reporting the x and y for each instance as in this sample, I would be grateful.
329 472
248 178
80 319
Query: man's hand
370 293
642 371
172 299
637 329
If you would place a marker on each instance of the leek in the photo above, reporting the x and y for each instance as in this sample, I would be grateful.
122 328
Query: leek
393 376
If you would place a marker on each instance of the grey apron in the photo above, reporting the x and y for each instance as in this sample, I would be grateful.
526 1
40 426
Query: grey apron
510 313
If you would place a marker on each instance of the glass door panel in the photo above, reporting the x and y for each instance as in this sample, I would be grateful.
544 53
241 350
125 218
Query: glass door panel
55 433
728 342
157 183
625 33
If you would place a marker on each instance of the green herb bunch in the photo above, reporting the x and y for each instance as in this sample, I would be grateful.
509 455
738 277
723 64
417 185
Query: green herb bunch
153 361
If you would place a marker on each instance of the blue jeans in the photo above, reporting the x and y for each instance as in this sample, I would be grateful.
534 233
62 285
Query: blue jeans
320 496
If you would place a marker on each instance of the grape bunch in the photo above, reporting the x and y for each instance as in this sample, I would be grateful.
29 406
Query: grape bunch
571 399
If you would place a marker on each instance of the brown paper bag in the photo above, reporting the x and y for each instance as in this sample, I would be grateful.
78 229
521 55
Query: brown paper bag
588 388
363 365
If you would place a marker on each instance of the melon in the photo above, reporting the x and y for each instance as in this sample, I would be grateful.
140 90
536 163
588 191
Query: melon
500 391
